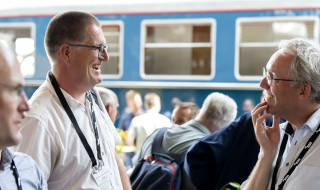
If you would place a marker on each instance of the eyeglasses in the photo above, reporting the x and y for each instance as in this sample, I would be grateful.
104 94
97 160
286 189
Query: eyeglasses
271 78
100 48
18 89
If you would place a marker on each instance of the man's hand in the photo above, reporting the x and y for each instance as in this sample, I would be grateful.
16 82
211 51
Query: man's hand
268 137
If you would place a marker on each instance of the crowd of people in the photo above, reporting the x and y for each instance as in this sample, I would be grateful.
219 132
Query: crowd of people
64 137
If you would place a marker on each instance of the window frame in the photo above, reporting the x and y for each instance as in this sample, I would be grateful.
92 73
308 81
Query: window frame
242 20
32 27
212 43
121 46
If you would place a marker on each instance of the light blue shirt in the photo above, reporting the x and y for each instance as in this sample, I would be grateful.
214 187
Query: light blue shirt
29 173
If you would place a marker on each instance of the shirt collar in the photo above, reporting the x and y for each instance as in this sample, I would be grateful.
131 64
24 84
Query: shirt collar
289 129
73 103
6 157
197 124
312 123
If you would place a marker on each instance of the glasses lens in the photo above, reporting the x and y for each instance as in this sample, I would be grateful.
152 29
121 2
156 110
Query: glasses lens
102 47
265 74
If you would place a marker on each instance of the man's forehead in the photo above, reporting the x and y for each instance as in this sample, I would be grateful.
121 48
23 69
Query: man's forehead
9 66
280 57
7 58
95 34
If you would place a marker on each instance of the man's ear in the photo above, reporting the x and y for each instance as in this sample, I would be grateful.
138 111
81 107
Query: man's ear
305 90
64 52
107 108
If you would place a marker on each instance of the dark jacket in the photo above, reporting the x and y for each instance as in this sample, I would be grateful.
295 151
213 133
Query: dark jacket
227 155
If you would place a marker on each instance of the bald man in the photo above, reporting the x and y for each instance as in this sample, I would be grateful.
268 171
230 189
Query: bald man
110 101
17 170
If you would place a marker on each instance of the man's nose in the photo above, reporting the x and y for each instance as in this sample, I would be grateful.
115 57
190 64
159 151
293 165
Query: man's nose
23 106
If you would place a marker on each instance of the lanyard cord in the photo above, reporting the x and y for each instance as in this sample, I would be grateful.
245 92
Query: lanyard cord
76 126
276 168
16 175
296 162
94 124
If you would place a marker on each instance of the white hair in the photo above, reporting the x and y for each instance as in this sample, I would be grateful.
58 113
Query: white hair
218 109
107 96
306 65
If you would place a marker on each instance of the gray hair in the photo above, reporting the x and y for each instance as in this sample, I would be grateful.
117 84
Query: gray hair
306 65
218 109
107 96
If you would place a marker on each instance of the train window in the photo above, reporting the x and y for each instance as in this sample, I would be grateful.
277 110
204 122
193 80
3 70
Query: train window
178 49
113 32
258 38
20 37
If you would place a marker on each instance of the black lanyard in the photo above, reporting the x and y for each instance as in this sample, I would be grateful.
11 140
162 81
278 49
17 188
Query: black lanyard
16 175
296 162
76 126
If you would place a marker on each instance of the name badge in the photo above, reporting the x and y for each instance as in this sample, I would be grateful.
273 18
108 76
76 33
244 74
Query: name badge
101 176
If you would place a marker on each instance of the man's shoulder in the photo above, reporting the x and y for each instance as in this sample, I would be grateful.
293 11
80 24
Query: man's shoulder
40 101
23 160
139 118
164 118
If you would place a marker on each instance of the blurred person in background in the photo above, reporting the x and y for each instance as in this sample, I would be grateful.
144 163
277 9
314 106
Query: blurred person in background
110 101
248 105
217 111
183 112
144 124
134 103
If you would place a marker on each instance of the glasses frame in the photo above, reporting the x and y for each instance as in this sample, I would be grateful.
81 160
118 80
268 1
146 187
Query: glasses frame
271 78
100 47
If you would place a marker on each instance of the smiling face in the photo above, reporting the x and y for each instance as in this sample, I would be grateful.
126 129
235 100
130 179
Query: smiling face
86 63
12 103
282 97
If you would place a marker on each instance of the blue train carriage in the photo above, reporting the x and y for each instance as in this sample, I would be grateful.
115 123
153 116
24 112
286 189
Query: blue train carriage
178 49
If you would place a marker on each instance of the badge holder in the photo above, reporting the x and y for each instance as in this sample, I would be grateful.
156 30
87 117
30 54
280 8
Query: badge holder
101 173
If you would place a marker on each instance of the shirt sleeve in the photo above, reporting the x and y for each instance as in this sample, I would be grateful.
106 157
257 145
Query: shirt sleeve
43 183
33 132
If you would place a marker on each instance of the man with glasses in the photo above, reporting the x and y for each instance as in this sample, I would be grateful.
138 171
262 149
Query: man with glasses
68 131
17 170
289 153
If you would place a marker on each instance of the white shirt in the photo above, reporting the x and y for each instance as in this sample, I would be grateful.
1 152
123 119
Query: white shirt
307 173
143 125
50 138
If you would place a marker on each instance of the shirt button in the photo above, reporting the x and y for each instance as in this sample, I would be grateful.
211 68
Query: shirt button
287 164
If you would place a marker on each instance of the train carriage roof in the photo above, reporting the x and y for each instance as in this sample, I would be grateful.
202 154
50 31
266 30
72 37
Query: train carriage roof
16 8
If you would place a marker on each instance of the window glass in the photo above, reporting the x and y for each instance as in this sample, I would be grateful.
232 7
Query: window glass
19 37
174 49
113 67
258 39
